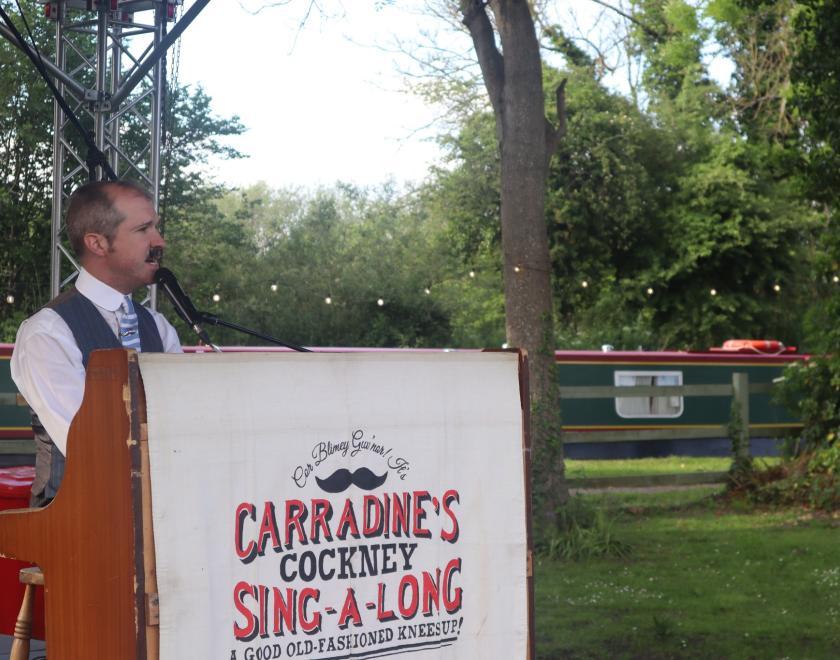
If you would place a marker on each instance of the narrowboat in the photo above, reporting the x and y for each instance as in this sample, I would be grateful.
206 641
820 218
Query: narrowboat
16 445
674 423
602 425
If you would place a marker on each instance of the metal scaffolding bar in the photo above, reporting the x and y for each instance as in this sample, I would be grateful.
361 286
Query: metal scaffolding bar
109 63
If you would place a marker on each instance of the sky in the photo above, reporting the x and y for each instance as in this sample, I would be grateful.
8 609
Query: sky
324 95
321 103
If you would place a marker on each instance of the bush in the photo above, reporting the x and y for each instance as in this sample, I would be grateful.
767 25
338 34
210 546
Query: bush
583 531
811 391
811 479
811 474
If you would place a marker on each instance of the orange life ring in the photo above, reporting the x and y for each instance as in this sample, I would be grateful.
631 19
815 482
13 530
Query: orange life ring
773 346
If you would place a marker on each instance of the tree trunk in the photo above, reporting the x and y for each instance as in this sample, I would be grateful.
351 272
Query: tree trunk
513 79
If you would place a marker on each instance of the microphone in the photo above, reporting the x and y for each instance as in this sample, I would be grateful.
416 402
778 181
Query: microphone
166 279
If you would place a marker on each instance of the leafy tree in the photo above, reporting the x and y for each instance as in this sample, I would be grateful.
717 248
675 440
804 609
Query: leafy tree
784 100
463 197
25 172
816 94
193 133
811 390
737 223
512 73
761 39
607 194
201 241
315 266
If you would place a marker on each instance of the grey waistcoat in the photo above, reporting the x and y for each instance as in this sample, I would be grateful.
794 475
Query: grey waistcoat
91 332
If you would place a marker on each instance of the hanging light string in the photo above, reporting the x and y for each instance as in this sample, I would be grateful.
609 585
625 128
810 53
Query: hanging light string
472 274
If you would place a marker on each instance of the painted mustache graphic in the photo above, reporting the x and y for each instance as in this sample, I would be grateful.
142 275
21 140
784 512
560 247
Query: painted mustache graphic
340 480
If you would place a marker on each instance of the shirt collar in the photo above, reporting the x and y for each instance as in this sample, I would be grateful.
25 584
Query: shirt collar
98 292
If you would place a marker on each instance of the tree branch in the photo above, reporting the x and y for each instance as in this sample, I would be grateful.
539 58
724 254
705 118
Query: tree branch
648 30
489 58
554 134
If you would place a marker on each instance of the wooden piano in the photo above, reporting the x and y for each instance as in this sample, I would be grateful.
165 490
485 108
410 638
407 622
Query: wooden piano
94 542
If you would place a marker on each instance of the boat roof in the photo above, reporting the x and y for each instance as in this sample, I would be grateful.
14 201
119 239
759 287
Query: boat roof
575 356
678 357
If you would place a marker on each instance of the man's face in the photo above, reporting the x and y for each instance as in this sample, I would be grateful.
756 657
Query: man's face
128 262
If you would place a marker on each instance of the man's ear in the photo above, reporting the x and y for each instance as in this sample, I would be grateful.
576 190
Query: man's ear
96 244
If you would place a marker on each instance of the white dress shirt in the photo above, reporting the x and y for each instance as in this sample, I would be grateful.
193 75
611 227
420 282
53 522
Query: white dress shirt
46 363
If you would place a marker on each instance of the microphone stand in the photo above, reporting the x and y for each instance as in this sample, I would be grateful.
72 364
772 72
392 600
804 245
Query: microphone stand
215 320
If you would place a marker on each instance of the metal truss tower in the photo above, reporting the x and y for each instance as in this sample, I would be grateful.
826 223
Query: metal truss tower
109 67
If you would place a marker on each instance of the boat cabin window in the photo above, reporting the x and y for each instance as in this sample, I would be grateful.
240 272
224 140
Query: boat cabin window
648 406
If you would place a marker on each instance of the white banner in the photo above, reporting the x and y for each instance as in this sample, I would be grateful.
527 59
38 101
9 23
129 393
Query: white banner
349 505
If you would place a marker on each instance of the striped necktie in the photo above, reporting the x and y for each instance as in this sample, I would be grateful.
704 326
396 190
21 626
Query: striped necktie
129 330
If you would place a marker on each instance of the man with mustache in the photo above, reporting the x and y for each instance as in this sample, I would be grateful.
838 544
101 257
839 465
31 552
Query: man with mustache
113 229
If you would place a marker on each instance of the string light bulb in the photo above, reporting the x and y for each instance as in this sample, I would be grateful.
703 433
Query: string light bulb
472 273
713 292
427 291
274 287
585 284
505 345
835 279
517 269
10 299
777 287
650 290
380 302
216 297
328 300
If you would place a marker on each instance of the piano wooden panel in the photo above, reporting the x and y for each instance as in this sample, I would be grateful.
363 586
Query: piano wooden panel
89 541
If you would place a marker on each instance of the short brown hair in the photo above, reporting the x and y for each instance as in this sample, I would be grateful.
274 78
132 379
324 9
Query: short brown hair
91 209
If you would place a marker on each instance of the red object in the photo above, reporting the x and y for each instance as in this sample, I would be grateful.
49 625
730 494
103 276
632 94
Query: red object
765 346
15 483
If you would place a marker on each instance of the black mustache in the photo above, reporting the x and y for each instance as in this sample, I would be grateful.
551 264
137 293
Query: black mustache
340 480
155 255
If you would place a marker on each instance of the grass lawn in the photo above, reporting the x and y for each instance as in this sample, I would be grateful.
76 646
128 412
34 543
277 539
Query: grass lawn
702 581
648 466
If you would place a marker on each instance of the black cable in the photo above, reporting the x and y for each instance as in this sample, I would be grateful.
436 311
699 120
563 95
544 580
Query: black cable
32 43
95 157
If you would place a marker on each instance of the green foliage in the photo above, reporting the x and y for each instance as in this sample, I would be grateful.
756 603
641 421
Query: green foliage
664 626
604 209
735 220
761 39
276 257
25 188
652 207
810 480
583 531
816 94
193 134
9 326
810 474
811 391
465 194
463 201
785 95
667 227
672 41
561 43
